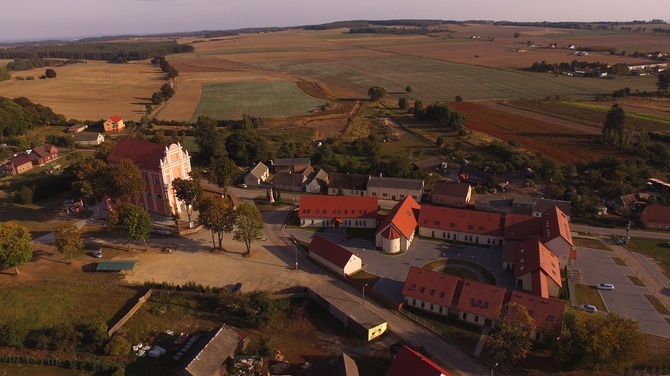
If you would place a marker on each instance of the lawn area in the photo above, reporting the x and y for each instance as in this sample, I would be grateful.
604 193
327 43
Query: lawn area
590 243
362 278
19 369
462 272
585 294
636 280
654 248
619 261
663 310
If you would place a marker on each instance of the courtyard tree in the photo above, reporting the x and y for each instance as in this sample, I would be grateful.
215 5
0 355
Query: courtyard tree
68 239
663 82
187 191
15 247
613 128
134 220
376 93
248 225
217 216
510 339
223 171
125 180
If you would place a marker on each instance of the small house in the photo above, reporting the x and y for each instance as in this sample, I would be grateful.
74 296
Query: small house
77 128
89 138
431 291
395 189
334 257
656 217
455 194
318 182
114 124
479 303
290 165
44 154
258 175
348 184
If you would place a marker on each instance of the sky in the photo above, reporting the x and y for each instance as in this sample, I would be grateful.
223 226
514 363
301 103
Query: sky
67 19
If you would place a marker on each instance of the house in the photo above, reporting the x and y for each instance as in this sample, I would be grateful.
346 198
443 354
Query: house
258 175
89 138
545 312
624 203
656 217
77 128
480 303
536 206
44 154
520 227
159 166
334 257
429 164
395 189
348 184
555 234
338 211
17 165
113 124
410 362
460 225
343 365
318 182
537 269
214 354
287 181
451 194
291 165
397 231
431 291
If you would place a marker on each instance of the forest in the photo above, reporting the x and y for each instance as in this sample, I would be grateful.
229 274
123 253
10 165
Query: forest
112 51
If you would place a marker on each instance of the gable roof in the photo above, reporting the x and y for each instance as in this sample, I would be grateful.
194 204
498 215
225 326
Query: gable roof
461 220
384 182
210 354
290 161
86 136
409 362
481 299
545 312
144 154
556 224
358 182
338 206
115 118
428 163
521 227
544 204
259 170
657 213
432 287
21 160
451 189
534 256
403 217
330 251
288 179
44 150
343 365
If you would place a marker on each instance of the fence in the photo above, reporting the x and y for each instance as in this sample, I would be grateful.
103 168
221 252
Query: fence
130 313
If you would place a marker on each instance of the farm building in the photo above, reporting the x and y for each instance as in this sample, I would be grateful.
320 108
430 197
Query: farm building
287 181
429 164
656 217
343 365
289 165
77 128
451 194
258 175
214 354
114 124
89 138
395 189
334 257
338 211
348 184
411 362
431 291
460 225
397 231
318 182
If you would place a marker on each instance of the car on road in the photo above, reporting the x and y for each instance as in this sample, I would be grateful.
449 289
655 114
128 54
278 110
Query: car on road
242 185
590 308
618 240
237 288
605 286
97 253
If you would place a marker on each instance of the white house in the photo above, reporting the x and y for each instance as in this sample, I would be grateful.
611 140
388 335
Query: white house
334 257
259 174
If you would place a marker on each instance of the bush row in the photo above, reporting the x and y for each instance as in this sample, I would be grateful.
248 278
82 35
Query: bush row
188 286
95 365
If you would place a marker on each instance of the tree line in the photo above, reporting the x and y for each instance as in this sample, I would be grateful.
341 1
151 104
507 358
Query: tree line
20 115
387 30
544 66
28 64
114 52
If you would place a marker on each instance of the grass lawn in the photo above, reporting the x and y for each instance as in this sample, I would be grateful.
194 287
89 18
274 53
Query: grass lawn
362 278
590 243
31 370
362 233
663 310
619 261
462 272
636 280
585 294
654 248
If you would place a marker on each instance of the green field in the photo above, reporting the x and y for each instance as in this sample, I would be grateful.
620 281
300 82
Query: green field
435 80
258 99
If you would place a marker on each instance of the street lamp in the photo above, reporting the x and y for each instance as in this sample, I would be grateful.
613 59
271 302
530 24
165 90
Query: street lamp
494 367
366 285
296 256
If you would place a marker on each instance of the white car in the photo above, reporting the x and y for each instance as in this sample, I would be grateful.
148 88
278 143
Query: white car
605 286
590 308
97 253
242 185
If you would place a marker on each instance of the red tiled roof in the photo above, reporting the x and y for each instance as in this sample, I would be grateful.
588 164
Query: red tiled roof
21 160
545 312
116 118
481 299
521 227
657 213
461 220
391 233
403 217
144 154
451 189
534 256
45 150
330 251
408 362
432 287
338 206
556 224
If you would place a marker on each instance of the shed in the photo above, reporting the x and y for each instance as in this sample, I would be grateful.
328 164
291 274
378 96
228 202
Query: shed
117 265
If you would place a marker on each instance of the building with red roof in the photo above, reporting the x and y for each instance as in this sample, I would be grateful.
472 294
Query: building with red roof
537 269
431 291
480 303
397 231
545 312
159 166
338 211
114 124
556 235
44 154
656 217
454 194
410 362
333 256
461 225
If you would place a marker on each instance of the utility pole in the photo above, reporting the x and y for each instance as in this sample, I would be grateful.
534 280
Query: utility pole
630 223
364 286
296 256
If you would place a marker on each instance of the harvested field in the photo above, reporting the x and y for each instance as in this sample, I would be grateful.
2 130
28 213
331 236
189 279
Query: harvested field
182 106
554 139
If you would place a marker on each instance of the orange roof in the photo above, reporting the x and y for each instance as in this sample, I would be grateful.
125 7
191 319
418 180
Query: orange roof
403 217
545 312
556 224
391 233
521 227
481 299
330 251
144 154
116 118
338 206
534 256
410 362
461 220
432 287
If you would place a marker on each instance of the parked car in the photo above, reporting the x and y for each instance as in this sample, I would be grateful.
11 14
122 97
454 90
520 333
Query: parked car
237 288
242 185
590 308
97 253
605 286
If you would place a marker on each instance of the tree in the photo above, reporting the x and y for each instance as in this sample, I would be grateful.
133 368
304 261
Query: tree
132 219
248 225
104 150
223 172
613 129
4 74
663 82
403 103
50 73
217 216
245 147
510 339
376 93
418 109
125 180
259 310
15 247
210 140
598 342
408 89
187 191
516 35
458 98
68 239
90 178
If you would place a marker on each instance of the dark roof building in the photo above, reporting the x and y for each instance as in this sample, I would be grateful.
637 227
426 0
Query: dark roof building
214 354
350 184
408 362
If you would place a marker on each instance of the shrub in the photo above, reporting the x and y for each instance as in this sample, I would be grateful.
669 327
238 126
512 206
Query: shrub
13 335
24 196
117 346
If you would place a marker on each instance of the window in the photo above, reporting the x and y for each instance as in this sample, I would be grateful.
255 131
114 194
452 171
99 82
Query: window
318 211
159 196
465 315
530 313
442 295
423 304
374 193
479 303
414 302
384 194
422 290
441 308
412 287
476 318
471 227
431 306
437 223
486 305
432 292
155 180
346 211
472 301
550 318
149 194
452 224
481 228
